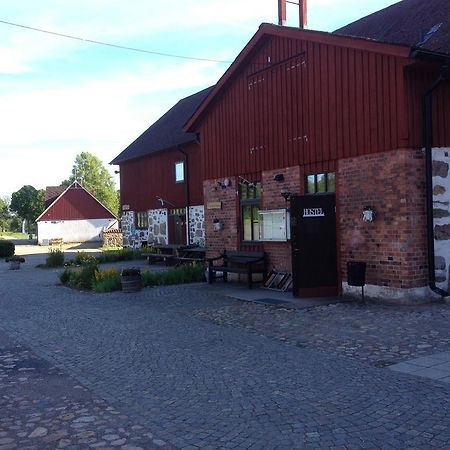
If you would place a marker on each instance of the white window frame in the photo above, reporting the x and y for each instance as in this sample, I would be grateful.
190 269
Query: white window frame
179 176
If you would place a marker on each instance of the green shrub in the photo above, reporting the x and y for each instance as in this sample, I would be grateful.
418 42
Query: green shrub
83 258
55 258
106 280
7 249
187 273
125 254
64 276
83 277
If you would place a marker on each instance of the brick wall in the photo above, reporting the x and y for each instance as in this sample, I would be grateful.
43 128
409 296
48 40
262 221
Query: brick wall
227 237
394 244
280 258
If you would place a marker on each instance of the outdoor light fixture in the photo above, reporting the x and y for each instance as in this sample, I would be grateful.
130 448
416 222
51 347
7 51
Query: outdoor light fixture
163 202
286 194
368 214
279 177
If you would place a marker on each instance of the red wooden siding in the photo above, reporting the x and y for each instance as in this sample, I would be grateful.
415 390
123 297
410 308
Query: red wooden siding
314 102
143 179
419 79
76 204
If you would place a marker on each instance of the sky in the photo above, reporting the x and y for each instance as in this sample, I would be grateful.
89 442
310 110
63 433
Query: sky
60 97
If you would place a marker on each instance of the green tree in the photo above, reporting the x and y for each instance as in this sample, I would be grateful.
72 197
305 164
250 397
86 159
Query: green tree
5 215
93 175
28 204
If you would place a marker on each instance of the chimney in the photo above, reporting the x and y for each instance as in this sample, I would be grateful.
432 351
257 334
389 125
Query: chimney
281 12
303 16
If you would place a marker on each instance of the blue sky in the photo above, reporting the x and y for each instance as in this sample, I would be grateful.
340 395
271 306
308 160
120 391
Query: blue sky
59 97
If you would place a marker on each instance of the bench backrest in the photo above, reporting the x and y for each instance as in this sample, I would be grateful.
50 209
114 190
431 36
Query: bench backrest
244 257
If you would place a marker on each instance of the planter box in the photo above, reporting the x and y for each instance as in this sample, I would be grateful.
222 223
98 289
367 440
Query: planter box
131 283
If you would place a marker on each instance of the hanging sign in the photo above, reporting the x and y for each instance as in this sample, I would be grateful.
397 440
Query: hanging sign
313 212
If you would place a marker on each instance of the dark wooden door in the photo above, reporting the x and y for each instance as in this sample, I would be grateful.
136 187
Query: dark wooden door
177 229
313 236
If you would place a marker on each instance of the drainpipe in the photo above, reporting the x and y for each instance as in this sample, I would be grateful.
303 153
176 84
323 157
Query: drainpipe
188 193
428 113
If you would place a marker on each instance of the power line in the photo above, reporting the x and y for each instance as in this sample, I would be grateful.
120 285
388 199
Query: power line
121 47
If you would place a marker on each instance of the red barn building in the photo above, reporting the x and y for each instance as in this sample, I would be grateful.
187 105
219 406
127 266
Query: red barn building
74 215
161 181
328 129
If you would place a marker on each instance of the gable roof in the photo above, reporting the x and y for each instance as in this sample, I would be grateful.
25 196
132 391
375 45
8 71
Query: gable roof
267 30
167 132
52 193
76 203
418 23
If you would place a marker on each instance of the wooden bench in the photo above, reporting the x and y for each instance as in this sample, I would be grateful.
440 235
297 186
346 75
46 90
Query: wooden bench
55 241
159 257
238 262
190 254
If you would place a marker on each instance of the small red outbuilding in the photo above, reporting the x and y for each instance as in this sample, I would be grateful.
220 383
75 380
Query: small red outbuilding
75 215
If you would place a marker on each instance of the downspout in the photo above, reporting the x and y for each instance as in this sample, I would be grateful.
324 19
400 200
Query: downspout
428 112
188 193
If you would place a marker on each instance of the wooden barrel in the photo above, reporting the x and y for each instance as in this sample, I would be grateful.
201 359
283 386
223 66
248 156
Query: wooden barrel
131 283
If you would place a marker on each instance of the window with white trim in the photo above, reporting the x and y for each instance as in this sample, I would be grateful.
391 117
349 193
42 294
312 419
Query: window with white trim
179 172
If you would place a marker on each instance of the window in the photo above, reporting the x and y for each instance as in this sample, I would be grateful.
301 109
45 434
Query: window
179 172
142 220
321 183
250 194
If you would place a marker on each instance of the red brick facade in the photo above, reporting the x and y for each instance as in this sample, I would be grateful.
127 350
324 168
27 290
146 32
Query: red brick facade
394 244
221 205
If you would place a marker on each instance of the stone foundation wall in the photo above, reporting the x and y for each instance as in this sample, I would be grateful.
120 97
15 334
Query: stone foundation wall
197 225
128 228
157 226
441 214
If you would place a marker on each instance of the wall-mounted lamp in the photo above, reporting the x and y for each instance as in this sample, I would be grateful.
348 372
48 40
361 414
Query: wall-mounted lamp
217 225
286 194
250 184
279 177
163 202
224 184
368 214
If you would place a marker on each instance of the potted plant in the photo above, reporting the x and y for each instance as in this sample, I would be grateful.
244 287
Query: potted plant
131 279
14 262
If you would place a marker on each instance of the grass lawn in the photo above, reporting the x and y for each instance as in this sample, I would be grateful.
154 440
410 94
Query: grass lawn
12 235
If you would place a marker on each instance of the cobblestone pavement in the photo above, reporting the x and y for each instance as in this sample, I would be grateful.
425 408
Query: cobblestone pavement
379 334
42 408
162 358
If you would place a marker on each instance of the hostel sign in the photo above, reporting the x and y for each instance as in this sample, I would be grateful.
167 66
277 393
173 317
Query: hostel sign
313 212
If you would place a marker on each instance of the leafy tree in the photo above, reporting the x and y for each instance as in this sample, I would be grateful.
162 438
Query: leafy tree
90 171
28 203
5 215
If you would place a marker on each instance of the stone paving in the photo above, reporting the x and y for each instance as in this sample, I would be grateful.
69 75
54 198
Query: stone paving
195 370
42 408
379 334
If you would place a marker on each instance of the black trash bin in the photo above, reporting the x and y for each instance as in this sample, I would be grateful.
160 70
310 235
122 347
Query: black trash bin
356 273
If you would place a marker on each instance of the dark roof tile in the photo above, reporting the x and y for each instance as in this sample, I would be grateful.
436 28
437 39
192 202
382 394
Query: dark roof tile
407 22
167 132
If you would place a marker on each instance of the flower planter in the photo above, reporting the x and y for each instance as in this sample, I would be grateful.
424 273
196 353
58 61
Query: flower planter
131 283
